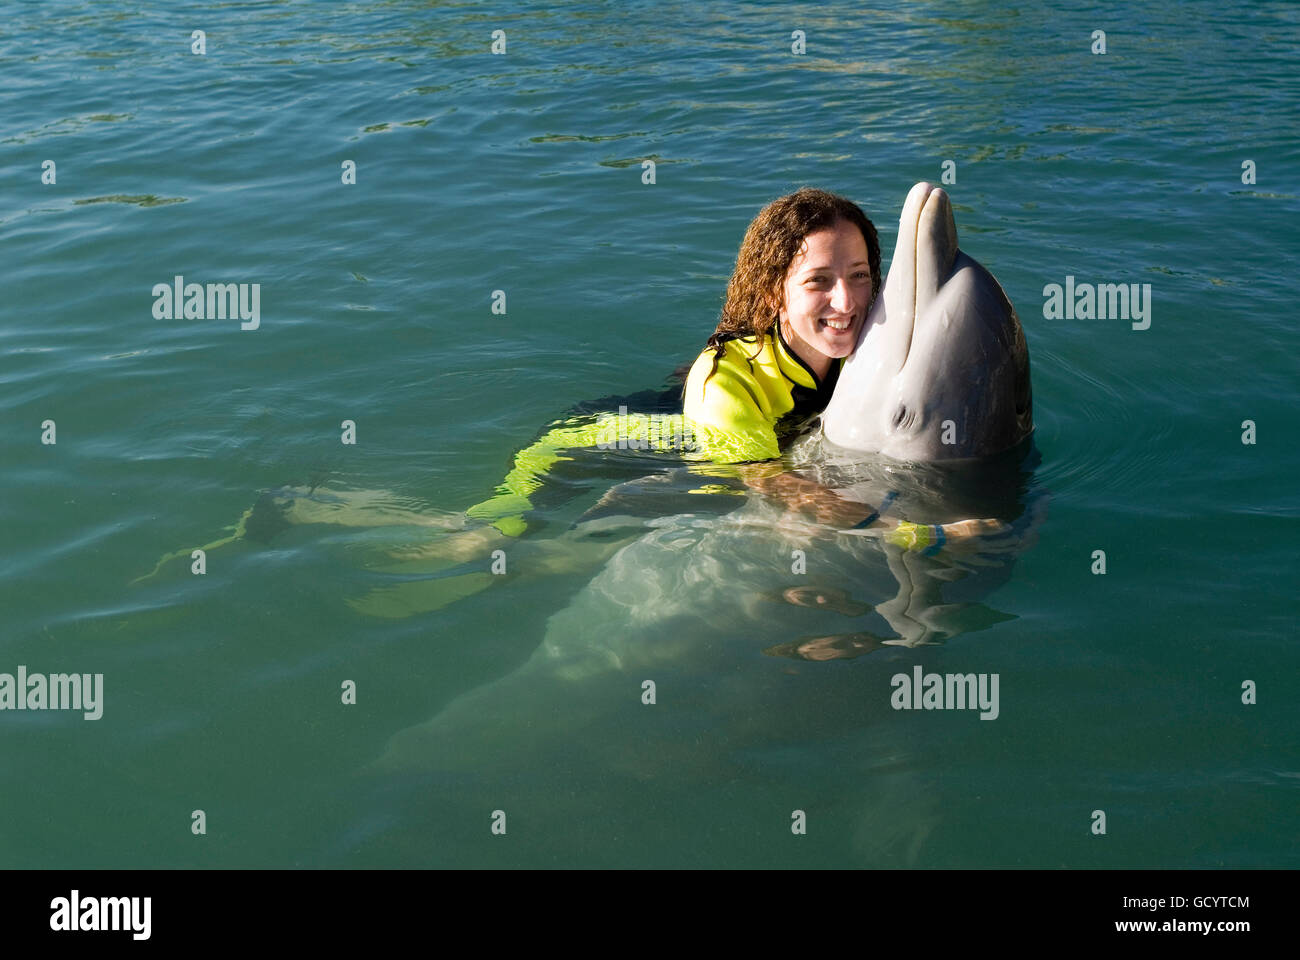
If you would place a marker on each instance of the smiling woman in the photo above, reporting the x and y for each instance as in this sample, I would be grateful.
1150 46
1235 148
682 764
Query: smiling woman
806 275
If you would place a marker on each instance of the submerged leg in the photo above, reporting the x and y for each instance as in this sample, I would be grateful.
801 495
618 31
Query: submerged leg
276 511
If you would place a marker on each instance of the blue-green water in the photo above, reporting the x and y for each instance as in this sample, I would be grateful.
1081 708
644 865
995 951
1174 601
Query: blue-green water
522 172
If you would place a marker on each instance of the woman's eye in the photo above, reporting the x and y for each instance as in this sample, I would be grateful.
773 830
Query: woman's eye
861 275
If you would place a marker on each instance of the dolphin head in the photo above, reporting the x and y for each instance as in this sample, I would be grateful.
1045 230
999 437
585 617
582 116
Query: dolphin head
941 371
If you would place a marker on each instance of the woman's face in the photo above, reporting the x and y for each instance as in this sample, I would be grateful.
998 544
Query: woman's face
826 294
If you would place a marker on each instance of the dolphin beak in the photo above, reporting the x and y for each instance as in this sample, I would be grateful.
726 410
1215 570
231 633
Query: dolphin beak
907 254
936 246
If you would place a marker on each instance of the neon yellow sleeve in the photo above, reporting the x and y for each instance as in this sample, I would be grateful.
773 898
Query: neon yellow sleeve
609 431
505 510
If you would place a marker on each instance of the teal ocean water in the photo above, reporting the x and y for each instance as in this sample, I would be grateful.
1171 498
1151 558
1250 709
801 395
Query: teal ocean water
523 172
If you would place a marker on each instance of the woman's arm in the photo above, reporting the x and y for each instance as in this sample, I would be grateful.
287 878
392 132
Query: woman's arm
825 506
773 479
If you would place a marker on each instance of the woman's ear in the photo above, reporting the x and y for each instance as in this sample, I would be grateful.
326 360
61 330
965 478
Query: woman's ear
775 301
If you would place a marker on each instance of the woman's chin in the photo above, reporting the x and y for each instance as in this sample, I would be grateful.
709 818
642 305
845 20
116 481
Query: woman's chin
837 348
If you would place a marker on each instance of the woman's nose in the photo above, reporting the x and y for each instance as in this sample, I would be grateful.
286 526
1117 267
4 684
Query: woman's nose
842 297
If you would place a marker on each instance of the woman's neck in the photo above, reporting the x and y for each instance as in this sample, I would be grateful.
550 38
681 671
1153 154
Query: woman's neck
814 359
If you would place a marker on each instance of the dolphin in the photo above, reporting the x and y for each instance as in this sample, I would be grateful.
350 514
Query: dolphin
941 368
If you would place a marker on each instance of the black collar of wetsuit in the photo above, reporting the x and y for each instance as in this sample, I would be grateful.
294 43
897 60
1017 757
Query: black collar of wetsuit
807 400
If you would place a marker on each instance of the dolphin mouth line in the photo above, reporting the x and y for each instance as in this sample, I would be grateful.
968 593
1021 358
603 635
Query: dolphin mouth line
911 331
916 252
916 234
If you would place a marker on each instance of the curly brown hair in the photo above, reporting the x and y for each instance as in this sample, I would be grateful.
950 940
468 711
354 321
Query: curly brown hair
770 246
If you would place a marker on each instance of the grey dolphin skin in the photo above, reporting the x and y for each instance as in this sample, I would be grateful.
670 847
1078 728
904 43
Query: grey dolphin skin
941 371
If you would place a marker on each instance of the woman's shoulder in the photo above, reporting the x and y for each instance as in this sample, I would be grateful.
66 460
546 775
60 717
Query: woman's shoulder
723 384
726 402
721 365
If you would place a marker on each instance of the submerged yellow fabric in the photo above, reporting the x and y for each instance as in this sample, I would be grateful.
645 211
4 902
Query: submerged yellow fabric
729 418
660 432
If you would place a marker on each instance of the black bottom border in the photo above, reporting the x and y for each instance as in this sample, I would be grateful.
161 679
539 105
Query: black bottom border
336 907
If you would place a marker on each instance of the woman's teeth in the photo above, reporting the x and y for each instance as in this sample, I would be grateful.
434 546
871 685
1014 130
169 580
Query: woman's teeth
838 324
